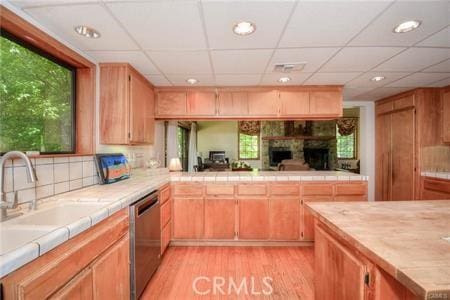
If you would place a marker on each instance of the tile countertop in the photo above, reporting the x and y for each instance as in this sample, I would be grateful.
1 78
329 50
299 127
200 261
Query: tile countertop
405 238
440 175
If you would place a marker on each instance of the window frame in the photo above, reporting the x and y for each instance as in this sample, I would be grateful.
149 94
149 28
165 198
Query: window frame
355 147
13 38
239 146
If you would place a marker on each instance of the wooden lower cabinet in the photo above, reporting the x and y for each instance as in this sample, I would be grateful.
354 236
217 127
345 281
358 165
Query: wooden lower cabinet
386 287
254 219
284 219
435 189
220 218
166 234
79 288
307 219
188 218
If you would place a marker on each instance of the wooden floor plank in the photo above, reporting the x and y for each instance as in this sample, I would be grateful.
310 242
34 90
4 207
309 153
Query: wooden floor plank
291 269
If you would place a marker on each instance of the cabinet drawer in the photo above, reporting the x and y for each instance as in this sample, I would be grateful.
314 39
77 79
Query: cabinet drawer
164 195
165 237
442 186
351 189
220 189
317 189
166 212
285 189
188 189
404 102
252 189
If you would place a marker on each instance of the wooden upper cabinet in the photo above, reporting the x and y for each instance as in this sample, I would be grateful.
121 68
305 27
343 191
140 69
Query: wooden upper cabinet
446 117
233 104
264 104
126 106
201 104
325 103
294 103
171 104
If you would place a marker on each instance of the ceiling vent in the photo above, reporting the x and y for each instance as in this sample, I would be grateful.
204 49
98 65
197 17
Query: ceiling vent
289 67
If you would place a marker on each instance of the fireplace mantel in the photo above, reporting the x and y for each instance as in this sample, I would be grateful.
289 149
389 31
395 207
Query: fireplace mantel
299 137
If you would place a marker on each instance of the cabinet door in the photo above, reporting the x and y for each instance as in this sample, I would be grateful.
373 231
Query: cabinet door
338 273
165 237
149 127
307 219
111 272
326 103
284 218
233 104
446 117
253 219
79 288
263 104
220 218
201 104
294 103
403 155
141 111
383 158
171 104
188 218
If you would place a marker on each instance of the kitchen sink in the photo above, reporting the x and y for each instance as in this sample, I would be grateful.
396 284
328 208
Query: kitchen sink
59 215
12 238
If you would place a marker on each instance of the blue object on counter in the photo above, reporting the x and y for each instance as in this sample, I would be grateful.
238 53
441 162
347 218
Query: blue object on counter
112 167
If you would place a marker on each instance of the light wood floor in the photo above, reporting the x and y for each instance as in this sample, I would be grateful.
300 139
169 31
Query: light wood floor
291 269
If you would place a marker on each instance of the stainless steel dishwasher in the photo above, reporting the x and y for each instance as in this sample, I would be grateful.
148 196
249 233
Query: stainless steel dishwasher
145 241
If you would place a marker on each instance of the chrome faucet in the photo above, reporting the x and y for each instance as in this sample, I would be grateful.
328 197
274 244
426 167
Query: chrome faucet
4 204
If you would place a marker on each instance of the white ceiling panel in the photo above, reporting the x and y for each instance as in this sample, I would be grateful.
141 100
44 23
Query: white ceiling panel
329 23
331 78
35 3
203 80
62 20
441 67
237 80
419 80
440 39
136 58
381 93
158 80
359 59
296 78
240 61
163 24
314 57
440 83
433 14
351 94
220 16
414 59
365 79
182 62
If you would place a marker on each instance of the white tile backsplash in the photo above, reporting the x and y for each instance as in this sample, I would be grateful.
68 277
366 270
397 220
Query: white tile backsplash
44 174
75 170
21 179
8 179
61 172
88 168
76 184
62 187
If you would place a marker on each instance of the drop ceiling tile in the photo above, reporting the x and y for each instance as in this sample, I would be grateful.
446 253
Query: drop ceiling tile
439 39
158 80
351 94
441 67
359 59
34 3
296 78
220 16
331 78
314 57
329 23
162 25
441 83
240 61
203 80
136 58
382 92
433 14
182 62
62 20
419 80
365 79
237 79
414 59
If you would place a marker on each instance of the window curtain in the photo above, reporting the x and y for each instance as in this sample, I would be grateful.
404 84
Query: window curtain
249 127
192 158
172 141
347 126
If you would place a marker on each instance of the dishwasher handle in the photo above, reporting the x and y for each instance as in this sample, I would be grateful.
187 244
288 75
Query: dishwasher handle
145 205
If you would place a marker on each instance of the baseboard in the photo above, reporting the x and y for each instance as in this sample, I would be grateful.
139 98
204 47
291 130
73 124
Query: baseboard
233 243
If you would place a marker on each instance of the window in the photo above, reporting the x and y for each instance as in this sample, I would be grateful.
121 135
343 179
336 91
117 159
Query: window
37 99
248 146
183 146
346 145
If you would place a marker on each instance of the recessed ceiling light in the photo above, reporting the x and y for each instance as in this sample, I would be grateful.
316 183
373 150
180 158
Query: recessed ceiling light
378 78
87 31
244 28
192 81
284 79
407 26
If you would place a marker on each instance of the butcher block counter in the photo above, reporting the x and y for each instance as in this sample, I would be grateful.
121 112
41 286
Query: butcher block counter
401 249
